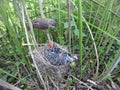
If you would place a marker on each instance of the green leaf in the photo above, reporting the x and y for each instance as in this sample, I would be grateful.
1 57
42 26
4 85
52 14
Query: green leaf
76 32
17 63
72 23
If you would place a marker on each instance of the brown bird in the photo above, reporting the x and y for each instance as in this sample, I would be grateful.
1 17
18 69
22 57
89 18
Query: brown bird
45 24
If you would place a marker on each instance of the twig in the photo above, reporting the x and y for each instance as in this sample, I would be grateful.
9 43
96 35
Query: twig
69 23
34 41
109 71
8 86
21 20
54 83
92 82
96 52
48 36
82 83
25 44
18 10
41 9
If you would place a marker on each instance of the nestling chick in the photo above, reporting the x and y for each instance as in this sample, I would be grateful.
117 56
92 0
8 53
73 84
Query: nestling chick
58 56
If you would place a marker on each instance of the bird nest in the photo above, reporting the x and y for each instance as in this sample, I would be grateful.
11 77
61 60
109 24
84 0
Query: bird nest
55 72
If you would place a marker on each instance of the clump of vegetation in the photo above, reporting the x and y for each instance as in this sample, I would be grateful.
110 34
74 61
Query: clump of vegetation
88 28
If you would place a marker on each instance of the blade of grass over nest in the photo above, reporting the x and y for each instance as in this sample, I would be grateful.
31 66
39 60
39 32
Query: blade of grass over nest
80 32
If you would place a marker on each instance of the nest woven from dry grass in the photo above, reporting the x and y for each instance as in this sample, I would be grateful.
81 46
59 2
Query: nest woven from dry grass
55 72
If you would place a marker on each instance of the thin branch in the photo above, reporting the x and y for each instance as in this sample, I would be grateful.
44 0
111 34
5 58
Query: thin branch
18 10
110 70
89 88
92 82
69 23
30 24
17 7
96 52
41 9
54 83
25 44
8 86
27 37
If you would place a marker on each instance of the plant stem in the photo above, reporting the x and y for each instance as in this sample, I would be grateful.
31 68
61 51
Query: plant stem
69 21
80 32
